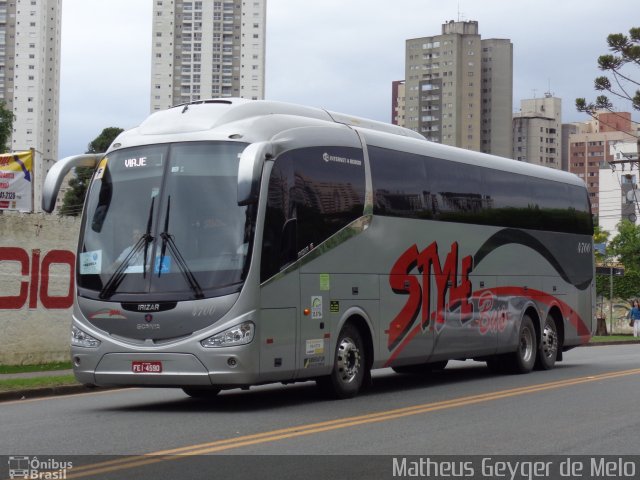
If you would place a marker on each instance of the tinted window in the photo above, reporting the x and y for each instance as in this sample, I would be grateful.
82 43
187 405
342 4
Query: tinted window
313 193
415 186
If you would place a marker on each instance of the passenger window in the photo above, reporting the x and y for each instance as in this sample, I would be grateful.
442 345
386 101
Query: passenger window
313 193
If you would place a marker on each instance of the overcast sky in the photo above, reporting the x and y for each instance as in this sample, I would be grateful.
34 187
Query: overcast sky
336 54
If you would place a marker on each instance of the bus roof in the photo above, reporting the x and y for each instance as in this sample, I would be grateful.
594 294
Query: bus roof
260 120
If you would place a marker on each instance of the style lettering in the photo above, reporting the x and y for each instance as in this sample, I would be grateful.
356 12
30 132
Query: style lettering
449 286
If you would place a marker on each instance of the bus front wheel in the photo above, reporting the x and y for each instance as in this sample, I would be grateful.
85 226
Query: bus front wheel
349 366
201 392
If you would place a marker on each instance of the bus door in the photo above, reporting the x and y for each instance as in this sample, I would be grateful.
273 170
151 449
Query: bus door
278 331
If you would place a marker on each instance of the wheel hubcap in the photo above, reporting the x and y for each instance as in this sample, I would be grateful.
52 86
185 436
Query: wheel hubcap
549 341
348 360
526 344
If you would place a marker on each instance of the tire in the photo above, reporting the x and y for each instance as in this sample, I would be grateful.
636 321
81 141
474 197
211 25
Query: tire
497 364
201 392
524 358
549 344
349 366
422 368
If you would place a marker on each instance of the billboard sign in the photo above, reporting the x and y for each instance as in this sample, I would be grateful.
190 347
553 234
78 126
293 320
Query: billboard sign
16 181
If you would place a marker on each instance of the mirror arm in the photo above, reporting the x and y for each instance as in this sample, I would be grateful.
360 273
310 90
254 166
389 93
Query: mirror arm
250 170
57 173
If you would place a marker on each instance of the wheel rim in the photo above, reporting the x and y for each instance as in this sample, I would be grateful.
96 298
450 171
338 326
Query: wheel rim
348 360
549 340
526 344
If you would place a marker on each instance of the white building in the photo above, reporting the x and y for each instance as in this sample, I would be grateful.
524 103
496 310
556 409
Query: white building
619 194
207 49
30 79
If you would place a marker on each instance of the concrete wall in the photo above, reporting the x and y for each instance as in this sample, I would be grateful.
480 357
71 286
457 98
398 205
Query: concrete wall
37 257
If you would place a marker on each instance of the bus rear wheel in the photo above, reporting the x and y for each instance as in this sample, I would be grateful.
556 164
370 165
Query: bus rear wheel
548 350
349 366
524 358
201 392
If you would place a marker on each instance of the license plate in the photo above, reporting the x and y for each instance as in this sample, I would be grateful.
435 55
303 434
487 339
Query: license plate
146 367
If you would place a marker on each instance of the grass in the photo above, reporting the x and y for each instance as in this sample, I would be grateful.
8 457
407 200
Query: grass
35 368
612 338
37 382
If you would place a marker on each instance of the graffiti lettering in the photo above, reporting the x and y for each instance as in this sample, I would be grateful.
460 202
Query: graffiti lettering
448 284
492 317
37 286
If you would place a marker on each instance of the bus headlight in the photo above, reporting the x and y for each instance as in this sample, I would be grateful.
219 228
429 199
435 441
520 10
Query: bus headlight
238 335
83 339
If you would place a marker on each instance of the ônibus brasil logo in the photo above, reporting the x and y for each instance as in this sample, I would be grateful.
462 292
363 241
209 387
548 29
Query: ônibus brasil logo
35 468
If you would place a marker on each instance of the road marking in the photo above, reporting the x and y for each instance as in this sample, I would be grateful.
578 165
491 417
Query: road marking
329 425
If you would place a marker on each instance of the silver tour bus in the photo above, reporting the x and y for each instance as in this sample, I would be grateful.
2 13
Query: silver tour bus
228 243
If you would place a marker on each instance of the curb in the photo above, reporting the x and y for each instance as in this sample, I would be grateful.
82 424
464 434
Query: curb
60 390
617 342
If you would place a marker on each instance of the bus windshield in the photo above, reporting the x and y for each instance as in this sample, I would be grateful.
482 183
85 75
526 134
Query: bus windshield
164 219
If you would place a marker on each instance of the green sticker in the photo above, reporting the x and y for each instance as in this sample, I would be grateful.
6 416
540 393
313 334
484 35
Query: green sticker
324 282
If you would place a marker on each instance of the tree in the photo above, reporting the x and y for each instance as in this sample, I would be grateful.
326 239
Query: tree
73 199
626 245
102 142
6 127
626 53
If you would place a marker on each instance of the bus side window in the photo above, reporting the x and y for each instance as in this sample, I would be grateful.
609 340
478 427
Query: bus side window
313 193
329 192
279 237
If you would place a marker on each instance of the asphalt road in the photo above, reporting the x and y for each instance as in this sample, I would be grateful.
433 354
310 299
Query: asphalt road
587 405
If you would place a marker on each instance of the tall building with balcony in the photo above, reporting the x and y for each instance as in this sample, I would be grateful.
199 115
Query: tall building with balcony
207 49
397 103
537 131
30 79
459 88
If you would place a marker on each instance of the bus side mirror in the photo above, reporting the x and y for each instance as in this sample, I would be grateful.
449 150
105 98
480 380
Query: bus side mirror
57 173
250 171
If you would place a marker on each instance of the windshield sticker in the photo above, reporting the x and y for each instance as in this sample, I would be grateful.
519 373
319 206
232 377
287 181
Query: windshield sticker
135 162
102 166
91 262
335 159
316 308
164 267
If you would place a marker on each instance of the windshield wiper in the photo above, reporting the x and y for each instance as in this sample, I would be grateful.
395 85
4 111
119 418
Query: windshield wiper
117 276
167 239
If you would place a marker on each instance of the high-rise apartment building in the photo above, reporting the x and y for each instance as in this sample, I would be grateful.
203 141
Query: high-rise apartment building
397 103
207 49
30 79
591 148
537 131
459 88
